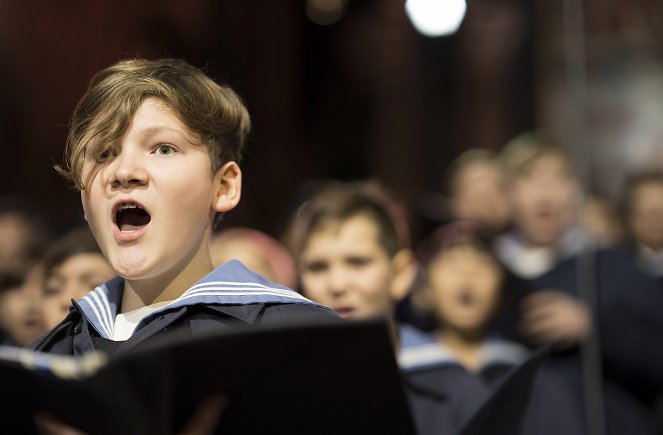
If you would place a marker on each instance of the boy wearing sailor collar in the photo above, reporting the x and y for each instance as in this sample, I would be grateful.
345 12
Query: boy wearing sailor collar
462 358
153 147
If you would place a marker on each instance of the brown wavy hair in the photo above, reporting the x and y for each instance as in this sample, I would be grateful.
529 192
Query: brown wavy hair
212 110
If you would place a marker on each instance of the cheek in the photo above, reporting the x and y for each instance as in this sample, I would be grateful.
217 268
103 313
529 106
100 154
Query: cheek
443 299
313 286
11 307
89 205
375 284
489 296
196 203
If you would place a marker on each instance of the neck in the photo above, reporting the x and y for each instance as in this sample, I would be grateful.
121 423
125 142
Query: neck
465 346
169 285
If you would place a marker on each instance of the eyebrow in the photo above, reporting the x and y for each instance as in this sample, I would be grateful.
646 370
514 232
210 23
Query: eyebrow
164 128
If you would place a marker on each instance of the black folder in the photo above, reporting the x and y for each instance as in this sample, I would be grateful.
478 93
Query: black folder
503 412
322 379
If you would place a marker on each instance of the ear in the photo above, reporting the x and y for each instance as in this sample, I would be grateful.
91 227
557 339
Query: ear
83 193
405 271
228 187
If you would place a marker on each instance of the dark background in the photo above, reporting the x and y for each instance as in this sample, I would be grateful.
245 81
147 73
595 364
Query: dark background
366 96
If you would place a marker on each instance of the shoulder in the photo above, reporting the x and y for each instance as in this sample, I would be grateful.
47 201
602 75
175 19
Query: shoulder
277 314
58 340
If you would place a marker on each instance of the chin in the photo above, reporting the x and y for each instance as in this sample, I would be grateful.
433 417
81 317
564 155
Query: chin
131 269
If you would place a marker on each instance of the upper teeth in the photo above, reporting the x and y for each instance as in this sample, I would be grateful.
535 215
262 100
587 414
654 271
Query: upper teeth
127 205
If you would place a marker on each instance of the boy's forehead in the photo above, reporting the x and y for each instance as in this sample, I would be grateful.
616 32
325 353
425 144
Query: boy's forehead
480 171
463 250
152 115
336 228
544 163
551 159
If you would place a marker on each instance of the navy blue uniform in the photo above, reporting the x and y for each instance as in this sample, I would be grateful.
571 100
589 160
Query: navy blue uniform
630 325
444 395
229 296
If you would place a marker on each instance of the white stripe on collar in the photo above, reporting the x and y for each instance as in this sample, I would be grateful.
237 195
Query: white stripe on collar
420 350
424 356
229 284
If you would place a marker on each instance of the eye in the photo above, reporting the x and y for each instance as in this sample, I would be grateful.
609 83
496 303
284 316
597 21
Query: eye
316 267
105 154
164 149
358 262
50 290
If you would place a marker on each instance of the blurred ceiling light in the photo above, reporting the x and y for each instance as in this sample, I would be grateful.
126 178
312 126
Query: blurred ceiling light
325 12
436 17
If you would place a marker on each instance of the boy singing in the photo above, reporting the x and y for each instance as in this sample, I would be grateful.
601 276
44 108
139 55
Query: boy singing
153 147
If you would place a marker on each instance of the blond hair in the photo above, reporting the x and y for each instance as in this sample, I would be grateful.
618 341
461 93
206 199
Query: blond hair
527 147
211 110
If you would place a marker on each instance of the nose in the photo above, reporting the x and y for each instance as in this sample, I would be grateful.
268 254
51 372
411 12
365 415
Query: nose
128 170
337 281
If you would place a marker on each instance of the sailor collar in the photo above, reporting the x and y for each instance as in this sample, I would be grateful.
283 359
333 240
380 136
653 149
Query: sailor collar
420 351
229 284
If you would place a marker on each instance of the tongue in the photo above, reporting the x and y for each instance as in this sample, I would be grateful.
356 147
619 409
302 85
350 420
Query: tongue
132 220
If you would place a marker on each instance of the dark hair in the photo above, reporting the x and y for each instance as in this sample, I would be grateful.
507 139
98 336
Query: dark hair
338 201
76 241
39 234
11 279
448 236
16 275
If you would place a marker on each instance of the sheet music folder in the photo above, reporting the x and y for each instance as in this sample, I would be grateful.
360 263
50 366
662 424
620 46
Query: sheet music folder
503 412
322 379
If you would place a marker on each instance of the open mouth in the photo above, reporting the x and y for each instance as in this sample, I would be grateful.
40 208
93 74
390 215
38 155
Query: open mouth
344 312
130 216
466 298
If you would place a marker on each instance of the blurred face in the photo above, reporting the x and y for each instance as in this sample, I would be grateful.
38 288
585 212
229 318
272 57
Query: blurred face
464 284
15 236
479 197
646 215
73 279
20 309
344 267
544 196
149 205
247 252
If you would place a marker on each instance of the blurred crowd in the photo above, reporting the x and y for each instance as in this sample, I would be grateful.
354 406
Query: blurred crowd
522 256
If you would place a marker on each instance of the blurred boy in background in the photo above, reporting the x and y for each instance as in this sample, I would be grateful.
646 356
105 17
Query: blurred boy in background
543 253
352 249
257 251
73 266
20 304
643 214
475 189
23 234
350 243
463 282
475 184
545 197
